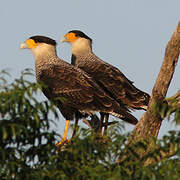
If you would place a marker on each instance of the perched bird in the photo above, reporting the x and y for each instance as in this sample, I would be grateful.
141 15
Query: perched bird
108 77
74 92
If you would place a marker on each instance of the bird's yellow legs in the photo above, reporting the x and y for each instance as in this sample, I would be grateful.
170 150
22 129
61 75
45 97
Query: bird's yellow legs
64 138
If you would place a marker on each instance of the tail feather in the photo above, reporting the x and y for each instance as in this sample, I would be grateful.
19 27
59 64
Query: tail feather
125 116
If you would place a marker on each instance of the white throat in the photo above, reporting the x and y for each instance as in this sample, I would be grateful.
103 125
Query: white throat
43 49
80 46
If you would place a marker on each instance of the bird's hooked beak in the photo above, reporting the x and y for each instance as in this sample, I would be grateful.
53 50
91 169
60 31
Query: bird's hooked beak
23 45
64 39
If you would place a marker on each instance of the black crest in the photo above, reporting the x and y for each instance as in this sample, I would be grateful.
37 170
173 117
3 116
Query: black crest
80 34
43 39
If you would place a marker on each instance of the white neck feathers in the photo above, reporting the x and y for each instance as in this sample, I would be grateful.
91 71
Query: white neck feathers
80 46
43 50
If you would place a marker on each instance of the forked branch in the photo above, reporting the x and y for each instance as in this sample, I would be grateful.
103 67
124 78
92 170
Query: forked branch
150 122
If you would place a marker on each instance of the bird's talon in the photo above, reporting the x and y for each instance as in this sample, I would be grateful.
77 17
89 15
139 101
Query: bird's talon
62 142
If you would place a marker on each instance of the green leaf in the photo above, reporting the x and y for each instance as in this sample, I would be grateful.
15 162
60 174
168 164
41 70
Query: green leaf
5 134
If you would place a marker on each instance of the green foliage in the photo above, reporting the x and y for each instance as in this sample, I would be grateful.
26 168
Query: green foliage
168 108
28 151
24 126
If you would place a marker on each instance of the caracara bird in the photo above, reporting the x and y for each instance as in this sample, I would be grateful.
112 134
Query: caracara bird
74 92
108 77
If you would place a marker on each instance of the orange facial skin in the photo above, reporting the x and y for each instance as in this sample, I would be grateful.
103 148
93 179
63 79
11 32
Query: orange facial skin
31 43
71 37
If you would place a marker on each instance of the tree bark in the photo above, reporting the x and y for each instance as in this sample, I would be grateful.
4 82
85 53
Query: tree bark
150 123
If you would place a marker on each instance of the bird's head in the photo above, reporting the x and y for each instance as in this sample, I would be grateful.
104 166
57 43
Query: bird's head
74 35
38 44
78 40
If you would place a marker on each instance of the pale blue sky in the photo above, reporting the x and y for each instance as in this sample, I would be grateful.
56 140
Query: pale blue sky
131 35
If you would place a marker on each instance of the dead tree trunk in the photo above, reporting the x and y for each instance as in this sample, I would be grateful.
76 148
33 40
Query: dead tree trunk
150 123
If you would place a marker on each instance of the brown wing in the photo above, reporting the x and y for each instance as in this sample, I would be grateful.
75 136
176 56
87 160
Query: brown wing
77 90
114 82
73 88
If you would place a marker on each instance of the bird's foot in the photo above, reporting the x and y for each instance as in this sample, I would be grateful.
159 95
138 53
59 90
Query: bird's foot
62 142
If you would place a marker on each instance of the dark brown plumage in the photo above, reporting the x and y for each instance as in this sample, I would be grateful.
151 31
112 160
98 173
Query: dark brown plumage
108 77
75 93
113 81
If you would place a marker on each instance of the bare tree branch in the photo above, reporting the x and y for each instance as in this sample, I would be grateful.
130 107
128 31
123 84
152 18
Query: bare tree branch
174 101
150 122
